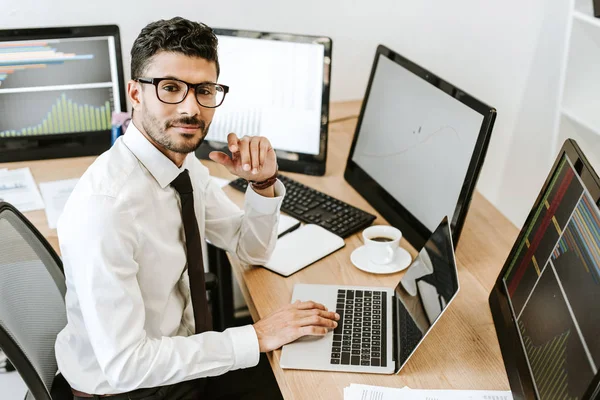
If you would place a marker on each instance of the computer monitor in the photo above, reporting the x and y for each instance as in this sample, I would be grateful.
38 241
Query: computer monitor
546 301
418 147
279 88
58 89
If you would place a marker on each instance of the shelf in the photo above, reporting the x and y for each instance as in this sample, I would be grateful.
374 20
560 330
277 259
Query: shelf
585 7
582 84
586 18
570 114
588 140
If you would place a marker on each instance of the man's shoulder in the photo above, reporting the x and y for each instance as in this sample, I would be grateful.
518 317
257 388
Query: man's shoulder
110 173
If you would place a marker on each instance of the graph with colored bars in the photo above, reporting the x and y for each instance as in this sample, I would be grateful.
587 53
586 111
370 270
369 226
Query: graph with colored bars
32 55
555 276
66 116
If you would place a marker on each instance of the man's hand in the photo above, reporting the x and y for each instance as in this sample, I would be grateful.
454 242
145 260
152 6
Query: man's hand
292 322
252 157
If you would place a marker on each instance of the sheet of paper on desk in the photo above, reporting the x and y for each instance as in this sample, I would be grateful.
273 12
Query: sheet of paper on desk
18 188
365 392
56 194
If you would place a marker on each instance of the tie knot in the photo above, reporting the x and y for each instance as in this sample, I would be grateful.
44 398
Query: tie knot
182 183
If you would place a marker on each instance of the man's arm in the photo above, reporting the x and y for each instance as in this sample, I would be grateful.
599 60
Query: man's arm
250 235
103 272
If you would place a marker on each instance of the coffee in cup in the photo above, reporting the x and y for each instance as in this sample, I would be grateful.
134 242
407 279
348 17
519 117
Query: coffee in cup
381 242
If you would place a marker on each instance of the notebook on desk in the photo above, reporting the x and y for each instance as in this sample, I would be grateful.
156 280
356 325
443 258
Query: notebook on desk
380 328
301 248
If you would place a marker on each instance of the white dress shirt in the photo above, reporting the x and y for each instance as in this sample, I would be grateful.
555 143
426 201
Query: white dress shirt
130 318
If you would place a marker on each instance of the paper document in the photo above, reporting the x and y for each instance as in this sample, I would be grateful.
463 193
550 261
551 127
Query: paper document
365 392
18 188
56 195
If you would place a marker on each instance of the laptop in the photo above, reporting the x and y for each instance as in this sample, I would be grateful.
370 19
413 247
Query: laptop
380 328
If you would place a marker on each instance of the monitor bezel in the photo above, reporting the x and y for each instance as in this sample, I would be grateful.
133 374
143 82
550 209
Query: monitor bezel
395 213
515 362
303 163
68 144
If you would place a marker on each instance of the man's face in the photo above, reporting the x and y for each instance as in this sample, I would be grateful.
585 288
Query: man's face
179 128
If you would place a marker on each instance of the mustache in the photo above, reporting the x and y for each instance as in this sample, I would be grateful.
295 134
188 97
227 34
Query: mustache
186 121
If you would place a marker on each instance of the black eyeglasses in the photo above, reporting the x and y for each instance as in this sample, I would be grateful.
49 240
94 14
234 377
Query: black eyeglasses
174 91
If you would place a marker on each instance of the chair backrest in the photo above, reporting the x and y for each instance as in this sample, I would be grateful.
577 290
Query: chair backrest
32 305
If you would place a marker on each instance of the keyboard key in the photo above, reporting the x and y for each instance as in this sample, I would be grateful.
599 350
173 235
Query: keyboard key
365 362
336 349
346 348
355 360
345 358
336 355
355 352
375 362
335 361
337 338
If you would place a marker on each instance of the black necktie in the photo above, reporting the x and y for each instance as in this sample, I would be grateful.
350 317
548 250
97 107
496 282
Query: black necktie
193 244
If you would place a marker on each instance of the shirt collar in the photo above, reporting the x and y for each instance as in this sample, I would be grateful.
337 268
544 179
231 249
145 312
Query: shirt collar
159 165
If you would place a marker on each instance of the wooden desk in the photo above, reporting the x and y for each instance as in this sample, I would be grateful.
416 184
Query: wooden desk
462 352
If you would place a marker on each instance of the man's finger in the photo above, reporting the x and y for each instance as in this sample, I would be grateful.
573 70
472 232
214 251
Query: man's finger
244 146
232 142
254 156
307 305
313 331
264 149
221 158
325 314
316 320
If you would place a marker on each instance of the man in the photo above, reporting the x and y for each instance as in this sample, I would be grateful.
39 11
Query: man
130 235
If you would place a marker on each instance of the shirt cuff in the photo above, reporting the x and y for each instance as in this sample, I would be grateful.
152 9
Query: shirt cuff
245 346
262 204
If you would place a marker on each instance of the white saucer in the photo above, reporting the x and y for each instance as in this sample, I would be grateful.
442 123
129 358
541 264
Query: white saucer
361 261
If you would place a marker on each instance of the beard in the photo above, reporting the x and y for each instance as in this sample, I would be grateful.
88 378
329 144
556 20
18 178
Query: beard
157 132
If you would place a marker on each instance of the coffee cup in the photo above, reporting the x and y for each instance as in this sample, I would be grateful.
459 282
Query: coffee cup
381 242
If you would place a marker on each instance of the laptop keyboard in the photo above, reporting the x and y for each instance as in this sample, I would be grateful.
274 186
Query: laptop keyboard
360 337
410 334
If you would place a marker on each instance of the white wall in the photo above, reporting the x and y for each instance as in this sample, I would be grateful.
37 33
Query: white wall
499 51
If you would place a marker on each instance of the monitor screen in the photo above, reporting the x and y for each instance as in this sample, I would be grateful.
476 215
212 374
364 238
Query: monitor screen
418 147
425 291
553 286
279 88
59 83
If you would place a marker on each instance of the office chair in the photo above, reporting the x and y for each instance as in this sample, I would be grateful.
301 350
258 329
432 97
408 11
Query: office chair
32 310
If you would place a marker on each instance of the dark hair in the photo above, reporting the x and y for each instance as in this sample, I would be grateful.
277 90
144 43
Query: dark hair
177 35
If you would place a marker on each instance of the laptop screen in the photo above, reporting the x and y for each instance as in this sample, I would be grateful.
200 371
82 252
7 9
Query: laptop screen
424 292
